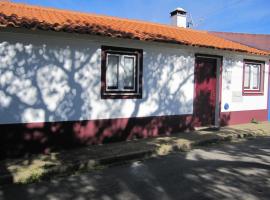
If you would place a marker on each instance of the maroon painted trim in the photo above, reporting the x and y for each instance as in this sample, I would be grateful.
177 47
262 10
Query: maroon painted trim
109 94
260 91
216 57
25 139
242 117
254 61
208 56
21 139
198 58
253 94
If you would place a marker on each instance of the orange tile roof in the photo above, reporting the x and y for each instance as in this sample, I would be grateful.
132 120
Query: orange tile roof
35 17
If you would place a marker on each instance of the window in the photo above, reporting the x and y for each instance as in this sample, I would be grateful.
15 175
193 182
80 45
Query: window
121 72
253 77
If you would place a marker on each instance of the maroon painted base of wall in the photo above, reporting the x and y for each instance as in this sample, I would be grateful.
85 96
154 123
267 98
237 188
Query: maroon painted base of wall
22 139
242 117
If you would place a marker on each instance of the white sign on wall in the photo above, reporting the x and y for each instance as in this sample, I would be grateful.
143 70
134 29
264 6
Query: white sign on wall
237 96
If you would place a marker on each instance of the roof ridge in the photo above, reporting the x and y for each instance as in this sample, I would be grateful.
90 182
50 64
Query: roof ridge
263 34
100 15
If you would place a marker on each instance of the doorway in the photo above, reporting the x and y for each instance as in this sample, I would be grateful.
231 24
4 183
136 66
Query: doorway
205 97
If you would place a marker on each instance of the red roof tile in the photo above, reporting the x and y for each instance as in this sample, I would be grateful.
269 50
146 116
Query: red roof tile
35 17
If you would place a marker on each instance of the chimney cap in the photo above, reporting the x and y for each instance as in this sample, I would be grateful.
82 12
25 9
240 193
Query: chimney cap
180 11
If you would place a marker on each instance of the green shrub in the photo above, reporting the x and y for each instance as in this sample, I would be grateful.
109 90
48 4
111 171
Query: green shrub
254 121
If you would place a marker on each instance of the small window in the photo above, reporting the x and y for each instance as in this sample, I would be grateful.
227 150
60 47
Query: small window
121 72
253 77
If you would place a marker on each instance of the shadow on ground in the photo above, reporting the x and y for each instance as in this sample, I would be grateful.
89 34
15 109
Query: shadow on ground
30 168
235 171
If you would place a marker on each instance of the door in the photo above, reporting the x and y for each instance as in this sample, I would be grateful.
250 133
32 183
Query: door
205 91
268 99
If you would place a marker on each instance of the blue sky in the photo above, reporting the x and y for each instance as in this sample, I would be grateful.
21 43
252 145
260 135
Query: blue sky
251 16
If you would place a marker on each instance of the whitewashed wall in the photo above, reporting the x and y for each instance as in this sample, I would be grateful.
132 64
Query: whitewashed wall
54 78
232 79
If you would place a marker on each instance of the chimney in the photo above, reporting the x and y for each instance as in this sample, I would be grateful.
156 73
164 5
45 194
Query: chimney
179 18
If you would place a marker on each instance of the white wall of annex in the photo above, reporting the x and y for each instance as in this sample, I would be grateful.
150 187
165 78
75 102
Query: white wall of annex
232 80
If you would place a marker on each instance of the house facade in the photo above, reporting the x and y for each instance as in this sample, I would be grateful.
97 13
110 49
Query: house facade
259 41
97 83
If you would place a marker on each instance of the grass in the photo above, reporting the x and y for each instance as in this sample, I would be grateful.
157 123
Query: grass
34 176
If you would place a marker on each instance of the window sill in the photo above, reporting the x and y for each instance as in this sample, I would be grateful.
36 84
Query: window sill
250 93
121 96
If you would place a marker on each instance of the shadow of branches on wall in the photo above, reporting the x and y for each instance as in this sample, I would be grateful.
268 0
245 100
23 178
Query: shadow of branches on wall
59 83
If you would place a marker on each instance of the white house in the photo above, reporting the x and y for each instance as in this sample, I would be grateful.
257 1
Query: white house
69 78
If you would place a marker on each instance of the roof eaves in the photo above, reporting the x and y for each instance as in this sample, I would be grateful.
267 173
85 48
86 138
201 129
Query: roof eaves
94 28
